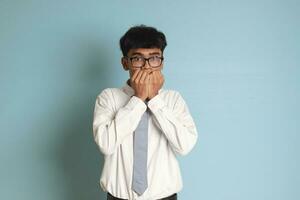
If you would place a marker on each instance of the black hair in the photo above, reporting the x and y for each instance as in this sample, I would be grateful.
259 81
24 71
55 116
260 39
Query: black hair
142 36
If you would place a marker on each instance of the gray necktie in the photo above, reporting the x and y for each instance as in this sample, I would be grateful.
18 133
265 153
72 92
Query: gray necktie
140 148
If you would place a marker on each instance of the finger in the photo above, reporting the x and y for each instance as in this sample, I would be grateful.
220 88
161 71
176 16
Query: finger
147 79
143 77
149 86
138 77
159 73
160 76
162 79
135 74
155 77
134 77
151 77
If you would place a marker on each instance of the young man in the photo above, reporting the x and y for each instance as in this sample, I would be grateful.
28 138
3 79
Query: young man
141 127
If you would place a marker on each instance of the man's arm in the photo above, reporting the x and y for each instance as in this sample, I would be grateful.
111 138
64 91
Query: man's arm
110 128
176 123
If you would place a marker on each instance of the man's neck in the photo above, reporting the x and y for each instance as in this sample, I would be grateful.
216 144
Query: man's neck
128 82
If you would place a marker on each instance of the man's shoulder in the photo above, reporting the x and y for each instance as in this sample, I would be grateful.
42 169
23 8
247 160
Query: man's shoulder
168 92
174 95
112 89
110 92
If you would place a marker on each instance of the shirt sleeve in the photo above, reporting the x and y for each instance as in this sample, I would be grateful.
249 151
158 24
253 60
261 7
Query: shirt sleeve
175 123
111 127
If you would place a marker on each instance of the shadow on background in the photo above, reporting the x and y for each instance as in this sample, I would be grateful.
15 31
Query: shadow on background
79 156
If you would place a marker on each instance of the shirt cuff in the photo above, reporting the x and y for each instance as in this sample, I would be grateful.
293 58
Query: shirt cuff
156 103
136 103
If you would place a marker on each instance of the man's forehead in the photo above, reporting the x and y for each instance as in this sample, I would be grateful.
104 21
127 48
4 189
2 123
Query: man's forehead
145 51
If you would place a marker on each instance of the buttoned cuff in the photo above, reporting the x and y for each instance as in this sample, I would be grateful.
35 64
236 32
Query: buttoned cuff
136 103
156 103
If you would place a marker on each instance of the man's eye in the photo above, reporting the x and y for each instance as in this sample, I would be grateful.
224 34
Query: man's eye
154 58
137 59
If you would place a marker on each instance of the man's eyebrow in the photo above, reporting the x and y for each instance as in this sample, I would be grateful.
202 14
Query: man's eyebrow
140 54
136 53
154 53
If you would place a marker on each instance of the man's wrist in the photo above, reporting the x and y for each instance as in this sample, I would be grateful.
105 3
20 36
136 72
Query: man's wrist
142 98
150 97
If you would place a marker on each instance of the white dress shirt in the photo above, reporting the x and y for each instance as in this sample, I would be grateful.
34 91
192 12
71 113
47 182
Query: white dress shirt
171 132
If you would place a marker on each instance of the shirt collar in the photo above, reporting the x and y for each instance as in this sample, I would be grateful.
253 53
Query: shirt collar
130 91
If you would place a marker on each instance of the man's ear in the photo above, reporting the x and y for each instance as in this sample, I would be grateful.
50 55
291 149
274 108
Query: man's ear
124 64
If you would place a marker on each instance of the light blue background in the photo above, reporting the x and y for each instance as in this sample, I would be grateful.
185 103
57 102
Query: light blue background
236 63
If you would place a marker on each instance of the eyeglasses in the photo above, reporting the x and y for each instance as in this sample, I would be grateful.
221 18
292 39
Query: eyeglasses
139 61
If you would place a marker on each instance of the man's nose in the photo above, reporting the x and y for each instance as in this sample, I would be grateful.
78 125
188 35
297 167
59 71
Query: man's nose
147 66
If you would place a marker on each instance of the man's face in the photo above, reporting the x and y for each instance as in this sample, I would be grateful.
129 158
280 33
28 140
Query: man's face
144 52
